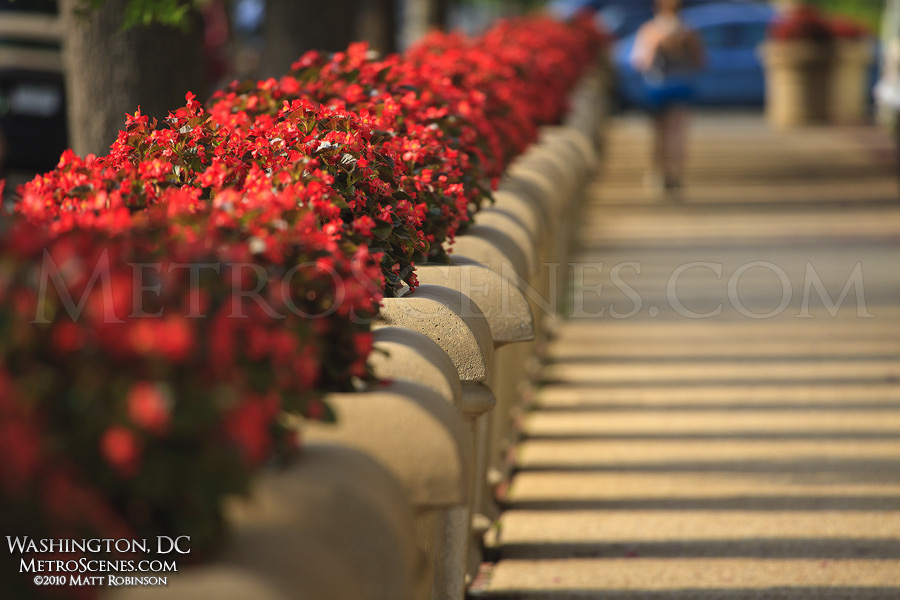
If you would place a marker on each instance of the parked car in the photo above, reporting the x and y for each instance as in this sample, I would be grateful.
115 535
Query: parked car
732 33
618 17
32 86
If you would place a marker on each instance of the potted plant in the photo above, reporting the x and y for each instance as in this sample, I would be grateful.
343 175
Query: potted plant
798 56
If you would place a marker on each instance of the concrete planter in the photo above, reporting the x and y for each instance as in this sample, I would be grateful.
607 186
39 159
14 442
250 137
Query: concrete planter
502 303
334 525
450 319
798 78
402 353
413 432
426 444
849 91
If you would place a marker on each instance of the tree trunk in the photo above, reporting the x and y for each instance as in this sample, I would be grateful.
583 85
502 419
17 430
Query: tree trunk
440 14
390 18
378 25
415 24
110 72
294 26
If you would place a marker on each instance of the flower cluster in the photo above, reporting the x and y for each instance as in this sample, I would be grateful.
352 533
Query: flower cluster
155 369
310 156
522 69
845 28
401 151
806 22
169 310
452 112
160 336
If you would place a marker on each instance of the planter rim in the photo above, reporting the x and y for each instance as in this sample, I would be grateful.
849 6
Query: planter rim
788 52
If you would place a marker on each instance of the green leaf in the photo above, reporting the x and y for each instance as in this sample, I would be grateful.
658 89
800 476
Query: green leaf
383 232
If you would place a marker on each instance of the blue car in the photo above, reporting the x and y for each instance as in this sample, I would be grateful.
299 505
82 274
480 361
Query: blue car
619 17
731 33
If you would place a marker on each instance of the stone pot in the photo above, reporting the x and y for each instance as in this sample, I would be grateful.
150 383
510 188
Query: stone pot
849 89
798 76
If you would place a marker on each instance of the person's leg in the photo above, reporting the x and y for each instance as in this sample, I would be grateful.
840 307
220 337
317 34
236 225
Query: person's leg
655 176
660 142
676 144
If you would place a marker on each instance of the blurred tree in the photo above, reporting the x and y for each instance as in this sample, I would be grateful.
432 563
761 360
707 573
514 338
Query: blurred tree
379 26
515 6
421 16
294 26
112 68
440 14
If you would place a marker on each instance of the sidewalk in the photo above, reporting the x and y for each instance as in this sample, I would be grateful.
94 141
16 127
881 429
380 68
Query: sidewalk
717 421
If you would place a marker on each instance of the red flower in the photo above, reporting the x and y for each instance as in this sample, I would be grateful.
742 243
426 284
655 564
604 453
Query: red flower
803 22
20 440
214 175
176 338
154 169
149 407
364 225
848 29
248 426
68 337
121 449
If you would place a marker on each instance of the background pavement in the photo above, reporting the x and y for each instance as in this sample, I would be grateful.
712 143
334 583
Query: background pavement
716 421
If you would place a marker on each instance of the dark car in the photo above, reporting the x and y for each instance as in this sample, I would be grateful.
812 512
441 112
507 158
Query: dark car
732 33
32 85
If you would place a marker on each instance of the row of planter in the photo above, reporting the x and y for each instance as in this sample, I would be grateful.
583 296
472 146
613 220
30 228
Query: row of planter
393 501
171 312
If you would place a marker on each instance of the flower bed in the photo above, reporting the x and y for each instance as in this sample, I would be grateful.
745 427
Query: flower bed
120 425
262 232
452 112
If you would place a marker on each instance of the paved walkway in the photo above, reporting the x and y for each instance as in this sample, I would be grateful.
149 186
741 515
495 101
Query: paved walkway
715 432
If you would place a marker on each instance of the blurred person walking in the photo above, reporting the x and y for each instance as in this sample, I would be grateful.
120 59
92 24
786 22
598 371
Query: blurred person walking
669 55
